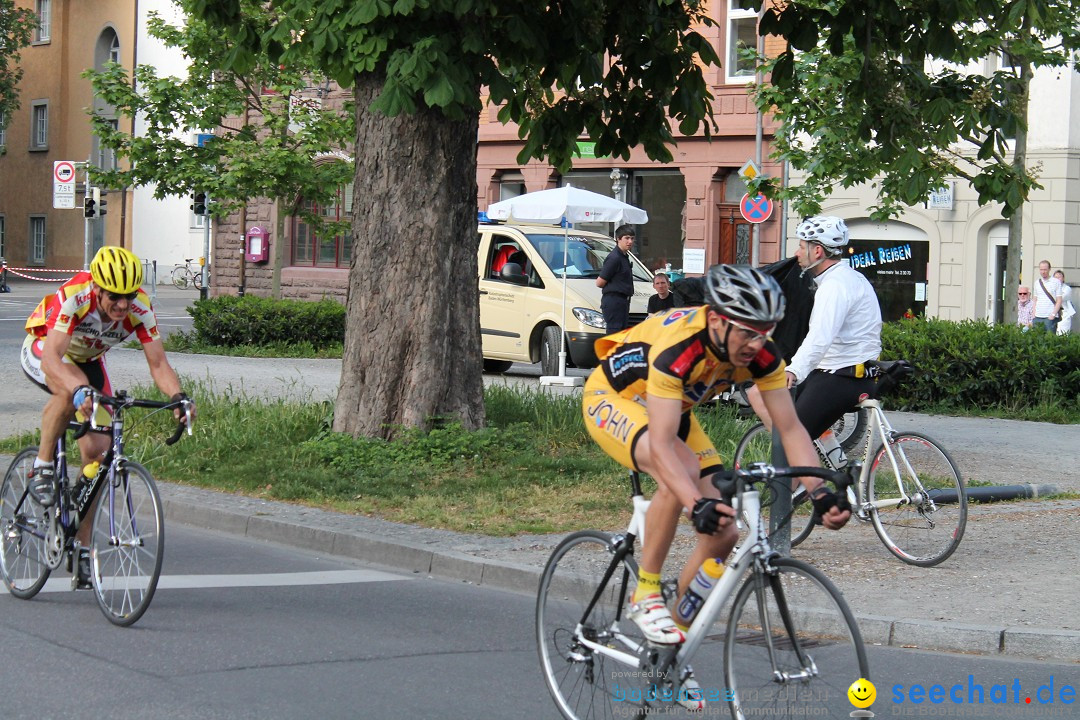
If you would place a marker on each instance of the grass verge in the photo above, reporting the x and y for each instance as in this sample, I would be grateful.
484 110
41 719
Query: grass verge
532 470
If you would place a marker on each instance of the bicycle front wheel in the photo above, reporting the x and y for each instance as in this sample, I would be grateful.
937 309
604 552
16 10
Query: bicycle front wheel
792 643
22 531
196 278
756 446
181 278
583 682
127 544
919 499
850 430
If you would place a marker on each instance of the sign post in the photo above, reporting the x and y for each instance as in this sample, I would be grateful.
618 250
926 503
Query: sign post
64 185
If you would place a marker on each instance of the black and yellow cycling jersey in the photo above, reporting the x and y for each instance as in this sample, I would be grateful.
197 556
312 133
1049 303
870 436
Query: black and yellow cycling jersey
669 355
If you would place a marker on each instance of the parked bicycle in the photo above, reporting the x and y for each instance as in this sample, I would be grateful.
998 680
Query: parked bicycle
127 538
188 275
909 487
790 641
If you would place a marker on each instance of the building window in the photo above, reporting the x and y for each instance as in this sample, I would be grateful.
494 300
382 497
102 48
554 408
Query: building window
37 240
106 156
741 34
3 237
44 18
3 129
114 49
311 248
39 125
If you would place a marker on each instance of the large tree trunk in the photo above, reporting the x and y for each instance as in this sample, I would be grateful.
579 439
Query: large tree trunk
412 339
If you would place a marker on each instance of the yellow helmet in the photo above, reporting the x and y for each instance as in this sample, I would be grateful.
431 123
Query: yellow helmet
117 270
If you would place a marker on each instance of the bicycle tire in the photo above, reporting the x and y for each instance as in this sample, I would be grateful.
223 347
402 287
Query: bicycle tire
181 277
125 556
756 446
22 531
583 683
778 611
850 430
925 532
196 278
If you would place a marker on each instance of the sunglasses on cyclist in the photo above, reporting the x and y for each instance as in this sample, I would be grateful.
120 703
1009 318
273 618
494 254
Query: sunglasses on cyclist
750 334
117 297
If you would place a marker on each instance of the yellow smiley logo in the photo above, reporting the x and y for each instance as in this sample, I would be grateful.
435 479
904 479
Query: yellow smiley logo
862 693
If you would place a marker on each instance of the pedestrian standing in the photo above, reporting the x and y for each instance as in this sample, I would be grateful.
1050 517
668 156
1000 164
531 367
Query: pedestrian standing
616 281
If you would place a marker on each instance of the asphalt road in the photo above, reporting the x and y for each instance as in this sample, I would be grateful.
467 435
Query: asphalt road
243 629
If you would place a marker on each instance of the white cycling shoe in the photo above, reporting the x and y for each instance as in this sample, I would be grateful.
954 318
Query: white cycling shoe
690 695
654 620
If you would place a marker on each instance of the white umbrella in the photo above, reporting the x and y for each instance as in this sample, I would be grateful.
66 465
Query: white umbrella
571 205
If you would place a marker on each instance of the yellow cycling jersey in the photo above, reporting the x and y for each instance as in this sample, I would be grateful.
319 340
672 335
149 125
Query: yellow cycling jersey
670 355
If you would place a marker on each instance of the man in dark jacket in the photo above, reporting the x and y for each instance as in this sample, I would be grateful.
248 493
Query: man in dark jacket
616 281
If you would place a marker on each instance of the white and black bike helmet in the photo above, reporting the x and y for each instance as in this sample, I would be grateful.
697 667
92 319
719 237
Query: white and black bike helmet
828 231
741 292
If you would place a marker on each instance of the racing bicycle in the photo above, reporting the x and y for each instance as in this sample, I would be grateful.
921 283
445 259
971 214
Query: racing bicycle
127 536
910 488
789 641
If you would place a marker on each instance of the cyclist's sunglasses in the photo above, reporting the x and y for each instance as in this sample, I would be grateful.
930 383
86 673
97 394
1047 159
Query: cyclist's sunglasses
750 334
117 297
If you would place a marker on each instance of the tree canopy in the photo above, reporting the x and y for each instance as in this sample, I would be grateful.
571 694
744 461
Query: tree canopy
898 93
614 71
16 28
260 147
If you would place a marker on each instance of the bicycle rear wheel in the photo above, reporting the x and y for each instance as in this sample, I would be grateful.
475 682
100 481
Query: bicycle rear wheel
756 446
921 501
181 278
584 683
22 531
792 643
127 544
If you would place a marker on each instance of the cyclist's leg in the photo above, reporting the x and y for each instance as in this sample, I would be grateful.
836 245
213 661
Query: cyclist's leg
93 445
823 398
58 410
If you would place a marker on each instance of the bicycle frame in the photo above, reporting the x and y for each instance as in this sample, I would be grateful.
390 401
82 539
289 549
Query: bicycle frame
755 549
881 429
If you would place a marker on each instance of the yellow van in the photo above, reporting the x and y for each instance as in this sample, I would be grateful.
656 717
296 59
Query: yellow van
521 294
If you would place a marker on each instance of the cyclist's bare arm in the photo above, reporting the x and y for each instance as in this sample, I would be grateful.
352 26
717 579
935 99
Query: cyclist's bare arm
162 372
63 377
799 448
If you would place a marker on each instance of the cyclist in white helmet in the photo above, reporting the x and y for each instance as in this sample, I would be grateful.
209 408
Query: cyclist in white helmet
829 369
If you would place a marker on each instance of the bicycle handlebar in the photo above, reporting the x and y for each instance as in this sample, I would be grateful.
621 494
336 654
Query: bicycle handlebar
122 400
733 482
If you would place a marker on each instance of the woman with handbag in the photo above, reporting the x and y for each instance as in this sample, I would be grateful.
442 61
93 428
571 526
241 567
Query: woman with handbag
1067 308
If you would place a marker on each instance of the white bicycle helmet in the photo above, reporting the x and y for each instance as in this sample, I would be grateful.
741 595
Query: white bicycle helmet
744 293
828 231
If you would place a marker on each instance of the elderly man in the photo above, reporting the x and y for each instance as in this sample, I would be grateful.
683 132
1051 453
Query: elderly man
1025 308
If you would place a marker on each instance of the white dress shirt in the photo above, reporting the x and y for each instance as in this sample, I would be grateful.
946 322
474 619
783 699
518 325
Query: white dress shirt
845 325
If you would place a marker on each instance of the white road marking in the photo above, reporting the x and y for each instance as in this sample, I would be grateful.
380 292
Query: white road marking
189 582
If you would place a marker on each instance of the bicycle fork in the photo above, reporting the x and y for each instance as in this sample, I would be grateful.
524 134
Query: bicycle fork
806 662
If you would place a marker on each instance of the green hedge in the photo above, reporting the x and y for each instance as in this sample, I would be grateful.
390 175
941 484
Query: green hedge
970 364
249 320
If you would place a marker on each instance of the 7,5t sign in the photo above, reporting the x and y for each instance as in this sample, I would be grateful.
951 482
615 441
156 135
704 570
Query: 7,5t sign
63 185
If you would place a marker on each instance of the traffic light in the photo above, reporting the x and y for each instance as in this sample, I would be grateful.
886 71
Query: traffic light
198 203
101 202
90 204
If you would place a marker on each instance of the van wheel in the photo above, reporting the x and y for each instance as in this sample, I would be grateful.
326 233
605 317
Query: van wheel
549 350
497 366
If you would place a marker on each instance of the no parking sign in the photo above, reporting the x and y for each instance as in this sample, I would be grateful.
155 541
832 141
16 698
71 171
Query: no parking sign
755 209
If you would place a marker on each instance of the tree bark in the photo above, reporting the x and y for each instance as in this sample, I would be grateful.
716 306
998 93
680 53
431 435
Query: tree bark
412 353
1013 265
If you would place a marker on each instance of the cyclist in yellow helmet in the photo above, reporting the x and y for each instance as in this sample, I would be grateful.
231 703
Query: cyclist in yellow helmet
67 337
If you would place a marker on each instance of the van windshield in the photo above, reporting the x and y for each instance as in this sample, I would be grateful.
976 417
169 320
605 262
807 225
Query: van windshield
585 255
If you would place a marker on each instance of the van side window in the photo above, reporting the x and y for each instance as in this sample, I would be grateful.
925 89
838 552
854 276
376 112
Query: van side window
501 254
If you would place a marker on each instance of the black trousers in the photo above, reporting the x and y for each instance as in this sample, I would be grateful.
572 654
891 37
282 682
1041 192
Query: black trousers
616 310
823 398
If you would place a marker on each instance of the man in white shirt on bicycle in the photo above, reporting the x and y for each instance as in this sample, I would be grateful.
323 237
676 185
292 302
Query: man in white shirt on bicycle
829 370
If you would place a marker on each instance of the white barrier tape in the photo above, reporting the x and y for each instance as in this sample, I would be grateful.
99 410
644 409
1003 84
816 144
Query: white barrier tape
41 269
40 279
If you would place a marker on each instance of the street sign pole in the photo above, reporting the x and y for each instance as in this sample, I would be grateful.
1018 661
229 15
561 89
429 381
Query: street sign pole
88 228
204 293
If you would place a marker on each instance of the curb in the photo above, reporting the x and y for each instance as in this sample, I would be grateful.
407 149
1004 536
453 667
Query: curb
399 554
